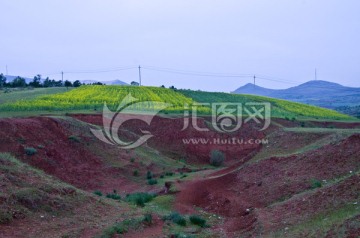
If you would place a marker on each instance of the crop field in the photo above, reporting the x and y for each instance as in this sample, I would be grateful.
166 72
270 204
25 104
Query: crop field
280 108
28 94
92 98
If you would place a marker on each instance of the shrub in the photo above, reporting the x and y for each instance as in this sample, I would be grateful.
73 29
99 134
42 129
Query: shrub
99 193
162 176
196 220
74 138
30 151
169 173
149 175
216 158
152 181
147 218
139 198
176 218
132 160
114 196
316 183
136 173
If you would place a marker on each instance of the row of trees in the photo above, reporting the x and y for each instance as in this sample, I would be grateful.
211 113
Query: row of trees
38 82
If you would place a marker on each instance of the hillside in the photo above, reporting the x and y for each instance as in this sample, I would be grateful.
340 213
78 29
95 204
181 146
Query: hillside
317 92
280 108
92 98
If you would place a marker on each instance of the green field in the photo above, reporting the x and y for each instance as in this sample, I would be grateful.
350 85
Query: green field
92 98
28 93
279 108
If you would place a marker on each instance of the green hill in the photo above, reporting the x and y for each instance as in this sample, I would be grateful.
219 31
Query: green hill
90 98
279 108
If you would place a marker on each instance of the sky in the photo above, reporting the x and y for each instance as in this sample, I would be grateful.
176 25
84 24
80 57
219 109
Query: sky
193 44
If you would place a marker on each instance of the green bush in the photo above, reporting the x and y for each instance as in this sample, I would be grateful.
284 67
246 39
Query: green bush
30 151
74 138
216 158
99 193
316 183
149 175
147 218
176 218
152 181
196 220
169 173
139 198
114 196
136 173
132 160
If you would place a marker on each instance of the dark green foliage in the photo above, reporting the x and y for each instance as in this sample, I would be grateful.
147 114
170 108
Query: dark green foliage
74 138
196 220
149 175
114 196
99 193
30 151
132 160
169 173
139 198
162 176
316 183
147 218
136 172
176 218
152 181
216 158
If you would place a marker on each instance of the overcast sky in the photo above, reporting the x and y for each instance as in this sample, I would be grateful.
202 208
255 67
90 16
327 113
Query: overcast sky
281 39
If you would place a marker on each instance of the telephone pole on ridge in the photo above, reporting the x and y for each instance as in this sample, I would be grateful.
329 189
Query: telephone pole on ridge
139 75
254 81
62 76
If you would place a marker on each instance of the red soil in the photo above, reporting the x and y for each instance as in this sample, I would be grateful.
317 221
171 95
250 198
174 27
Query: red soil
257 186
57 155
169 138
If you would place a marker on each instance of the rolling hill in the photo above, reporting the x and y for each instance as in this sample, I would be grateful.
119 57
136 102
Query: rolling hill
316 92
92 97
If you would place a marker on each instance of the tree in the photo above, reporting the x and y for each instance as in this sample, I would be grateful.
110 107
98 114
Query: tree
172 87
77 83
68 84
2 80
162 86
18 82
133 83
36 83
58 83
47 83
216 158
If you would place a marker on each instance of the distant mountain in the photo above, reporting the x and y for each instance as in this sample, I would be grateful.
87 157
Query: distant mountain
316 92
112 82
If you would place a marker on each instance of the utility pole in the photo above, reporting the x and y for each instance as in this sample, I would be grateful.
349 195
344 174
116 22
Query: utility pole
139 75
254 81
62 76
7 70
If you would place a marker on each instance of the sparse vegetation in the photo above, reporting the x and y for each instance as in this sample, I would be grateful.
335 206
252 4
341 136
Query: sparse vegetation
136 172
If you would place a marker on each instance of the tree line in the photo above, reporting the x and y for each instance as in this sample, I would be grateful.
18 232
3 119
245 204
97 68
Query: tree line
38 82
